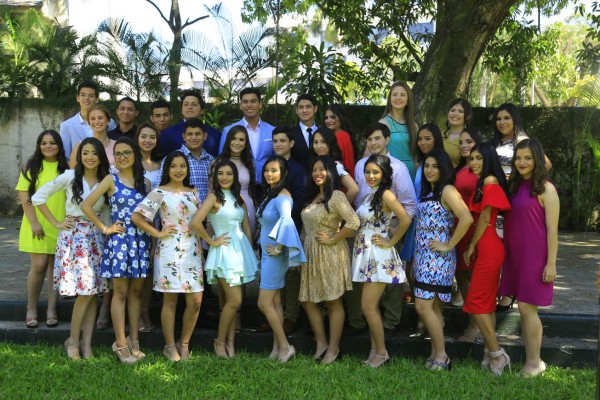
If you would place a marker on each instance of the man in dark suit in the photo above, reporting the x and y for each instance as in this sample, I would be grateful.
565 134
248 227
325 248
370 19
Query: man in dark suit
192 104
306 109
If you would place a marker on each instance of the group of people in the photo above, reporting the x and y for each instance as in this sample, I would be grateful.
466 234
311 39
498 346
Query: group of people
420 206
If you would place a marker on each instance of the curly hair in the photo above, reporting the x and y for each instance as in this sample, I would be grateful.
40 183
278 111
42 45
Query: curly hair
383 163
34 165
235 189
540 175
332 182
269 192
101 172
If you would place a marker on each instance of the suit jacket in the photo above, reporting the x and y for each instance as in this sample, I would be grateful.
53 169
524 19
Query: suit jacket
297 177
265 144
300 151
171 139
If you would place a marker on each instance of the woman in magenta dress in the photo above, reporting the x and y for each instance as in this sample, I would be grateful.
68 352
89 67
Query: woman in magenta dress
489 199
466 182
531 240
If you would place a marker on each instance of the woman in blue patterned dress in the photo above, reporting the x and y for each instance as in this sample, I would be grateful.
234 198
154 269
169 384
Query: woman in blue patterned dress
127 249
281 249
375 261
231 262
435 256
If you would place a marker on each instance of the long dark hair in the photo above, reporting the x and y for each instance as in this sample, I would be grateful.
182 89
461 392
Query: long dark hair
438 142
34 165
138 167
246 157
235 186
383 162
271 193
409 113
338 111
540 175
517 122
447 176
467 109
491 167
155 154
332 181
330 141
165 178
476 136
101 172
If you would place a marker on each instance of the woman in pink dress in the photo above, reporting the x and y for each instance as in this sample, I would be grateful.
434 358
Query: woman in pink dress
531 242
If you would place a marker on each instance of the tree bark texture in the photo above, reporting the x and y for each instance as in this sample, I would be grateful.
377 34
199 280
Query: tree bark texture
175 53
463 28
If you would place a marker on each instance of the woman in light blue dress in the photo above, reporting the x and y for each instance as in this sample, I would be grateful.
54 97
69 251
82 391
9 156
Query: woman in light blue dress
281 249
231 261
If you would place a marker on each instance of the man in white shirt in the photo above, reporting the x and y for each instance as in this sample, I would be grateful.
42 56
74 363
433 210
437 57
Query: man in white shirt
76 128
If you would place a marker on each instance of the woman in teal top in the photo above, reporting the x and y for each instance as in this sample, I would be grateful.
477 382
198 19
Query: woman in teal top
399 117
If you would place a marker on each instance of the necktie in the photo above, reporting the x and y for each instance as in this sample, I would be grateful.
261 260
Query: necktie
310 135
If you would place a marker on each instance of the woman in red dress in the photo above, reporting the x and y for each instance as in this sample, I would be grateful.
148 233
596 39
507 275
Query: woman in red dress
490 198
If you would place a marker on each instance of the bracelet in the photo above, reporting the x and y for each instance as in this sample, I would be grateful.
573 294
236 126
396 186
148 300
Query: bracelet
276 251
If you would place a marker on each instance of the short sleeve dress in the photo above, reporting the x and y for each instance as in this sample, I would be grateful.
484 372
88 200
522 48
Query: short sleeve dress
371 263
326 275
526 242
56 203
399 145
126 255
465 183
236 262
277 227
434 270
177 260
481 298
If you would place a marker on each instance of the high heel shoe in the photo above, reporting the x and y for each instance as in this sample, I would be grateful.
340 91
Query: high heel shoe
219 353
378 360
485 363
183 350
123 354
320 356
370 358
498 370
439 366
168 352
336 358
502 308
72 351
230 348
538 371
134 348
285 357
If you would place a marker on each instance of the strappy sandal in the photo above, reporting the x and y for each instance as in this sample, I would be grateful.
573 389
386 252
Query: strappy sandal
531 374
31 322
168 352
134 348
440 366
183 349
378 360
218 353
485 363
495 354
370 358
123 354
52 321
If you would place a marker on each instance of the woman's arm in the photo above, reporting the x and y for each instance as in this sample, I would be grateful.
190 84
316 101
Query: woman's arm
551 204
342 207
197 223
454 202
106 186
168 229
73 157
391 203
36 228
547 163
351 188
246 224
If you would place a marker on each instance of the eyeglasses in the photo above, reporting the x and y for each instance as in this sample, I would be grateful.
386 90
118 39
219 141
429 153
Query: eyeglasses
125 154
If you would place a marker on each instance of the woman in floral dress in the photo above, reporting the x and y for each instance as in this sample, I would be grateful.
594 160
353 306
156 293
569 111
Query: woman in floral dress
375 261
177 261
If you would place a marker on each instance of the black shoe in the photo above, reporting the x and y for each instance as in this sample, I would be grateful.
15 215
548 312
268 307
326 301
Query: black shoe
502 308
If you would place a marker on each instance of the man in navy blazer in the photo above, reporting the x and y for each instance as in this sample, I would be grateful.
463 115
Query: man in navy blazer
259 131
306 109
192 104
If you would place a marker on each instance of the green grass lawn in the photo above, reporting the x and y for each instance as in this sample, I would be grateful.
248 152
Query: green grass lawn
33 372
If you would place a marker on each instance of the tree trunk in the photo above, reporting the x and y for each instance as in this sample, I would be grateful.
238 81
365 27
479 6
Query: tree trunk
542 96
463 29
175 53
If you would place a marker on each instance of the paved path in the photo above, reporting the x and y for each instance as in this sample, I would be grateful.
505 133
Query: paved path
575 291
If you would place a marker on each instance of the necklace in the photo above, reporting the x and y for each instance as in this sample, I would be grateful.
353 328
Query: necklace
106 140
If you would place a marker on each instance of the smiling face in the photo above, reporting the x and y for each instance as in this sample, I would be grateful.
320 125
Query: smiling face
306 112
127 112
89 156
98 121
282 145
431 170
373 174
124 157
476 162
398 98
332 121
465 144
191 107
147 139
178 170
161 118
194 138
250 105
272 174
225 177
525 162
49 147
456 116
377 143
87 98
237 144
319 145
319 174
505 124
425 141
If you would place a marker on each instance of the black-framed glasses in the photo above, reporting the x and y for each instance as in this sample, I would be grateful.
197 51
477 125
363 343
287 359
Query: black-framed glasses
126 154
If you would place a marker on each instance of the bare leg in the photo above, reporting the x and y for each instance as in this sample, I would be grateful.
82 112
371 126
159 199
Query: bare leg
269 303
313 312
463 279
487 326
134 302
336 326
232 303
52 294
145 321
35 281
88 327
117 309
193 302
430 314
167 320
102 322
532 336
80 311
371 294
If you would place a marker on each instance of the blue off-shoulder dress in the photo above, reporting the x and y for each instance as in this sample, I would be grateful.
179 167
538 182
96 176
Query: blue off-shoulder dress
277 227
